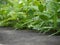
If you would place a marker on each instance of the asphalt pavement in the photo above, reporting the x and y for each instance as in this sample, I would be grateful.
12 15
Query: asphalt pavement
23 37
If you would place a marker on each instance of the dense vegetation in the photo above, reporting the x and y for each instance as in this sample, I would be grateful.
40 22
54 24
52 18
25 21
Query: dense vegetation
41 15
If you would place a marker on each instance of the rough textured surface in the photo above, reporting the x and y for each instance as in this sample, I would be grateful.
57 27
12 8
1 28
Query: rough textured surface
15 37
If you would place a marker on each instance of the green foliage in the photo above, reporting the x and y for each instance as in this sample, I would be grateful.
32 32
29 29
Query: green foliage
41 15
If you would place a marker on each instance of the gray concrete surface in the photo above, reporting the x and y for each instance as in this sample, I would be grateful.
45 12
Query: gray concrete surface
15 37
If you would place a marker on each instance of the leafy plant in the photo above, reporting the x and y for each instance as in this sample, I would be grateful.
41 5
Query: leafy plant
41 15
